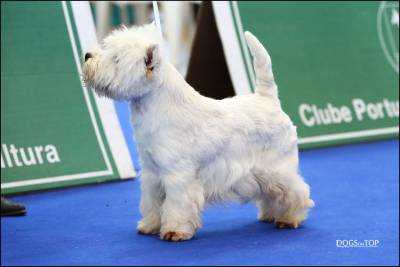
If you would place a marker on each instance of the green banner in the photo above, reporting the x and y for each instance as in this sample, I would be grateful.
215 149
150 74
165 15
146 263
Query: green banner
335 63
52 133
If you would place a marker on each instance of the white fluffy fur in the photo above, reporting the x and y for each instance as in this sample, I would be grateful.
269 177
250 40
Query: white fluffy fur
196 150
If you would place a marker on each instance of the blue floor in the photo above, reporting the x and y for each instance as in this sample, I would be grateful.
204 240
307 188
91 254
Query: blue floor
356 190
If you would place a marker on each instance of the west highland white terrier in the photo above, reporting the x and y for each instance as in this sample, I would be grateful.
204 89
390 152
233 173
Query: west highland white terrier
196 150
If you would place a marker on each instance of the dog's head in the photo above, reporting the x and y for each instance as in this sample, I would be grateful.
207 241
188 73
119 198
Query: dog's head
126 64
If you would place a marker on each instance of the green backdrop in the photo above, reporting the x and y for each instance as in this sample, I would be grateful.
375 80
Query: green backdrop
335 63
51 133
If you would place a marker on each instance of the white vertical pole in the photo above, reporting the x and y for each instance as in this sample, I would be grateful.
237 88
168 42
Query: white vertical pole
157 17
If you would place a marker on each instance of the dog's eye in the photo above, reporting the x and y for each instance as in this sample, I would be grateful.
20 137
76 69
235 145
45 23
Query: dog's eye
116 60
151 69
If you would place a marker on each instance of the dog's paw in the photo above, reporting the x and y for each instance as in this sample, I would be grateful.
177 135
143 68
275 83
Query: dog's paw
175 236
147 229
265 218
282 225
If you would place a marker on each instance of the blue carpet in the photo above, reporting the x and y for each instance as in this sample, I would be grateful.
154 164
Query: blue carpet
355 187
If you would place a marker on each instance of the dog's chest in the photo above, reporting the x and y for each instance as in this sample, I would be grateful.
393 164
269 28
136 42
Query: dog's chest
148 159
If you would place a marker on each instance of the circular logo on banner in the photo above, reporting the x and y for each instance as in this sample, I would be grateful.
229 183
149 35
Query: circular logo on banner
388 31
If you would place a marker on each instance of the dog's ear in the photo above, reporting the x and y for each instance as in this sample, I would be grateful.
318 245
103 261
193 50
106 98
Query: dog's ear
150 59
151 55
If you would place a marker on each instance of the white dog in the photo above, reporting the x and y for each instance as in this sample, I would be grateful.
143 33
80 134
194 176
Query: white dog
196 150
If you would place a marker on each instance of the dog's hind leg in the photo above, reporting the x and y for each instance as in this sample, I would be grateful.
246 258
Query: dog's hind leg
265 209
285 198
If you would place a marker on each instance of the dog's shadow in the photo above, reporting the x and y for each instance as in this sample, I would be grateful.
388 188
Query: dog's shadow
249 232
252 233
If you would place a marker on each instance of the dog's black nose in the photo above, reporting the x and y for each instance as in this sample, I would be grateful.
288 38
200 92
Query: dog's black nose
87 56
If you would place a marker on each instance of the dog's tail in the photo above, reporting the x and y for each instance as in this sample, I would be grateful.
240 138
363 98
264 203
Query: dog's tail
265 82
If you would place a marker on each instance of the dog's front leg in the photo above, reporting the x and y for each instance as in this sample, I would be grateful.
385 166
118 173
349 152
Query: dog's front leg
152 196
181 210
